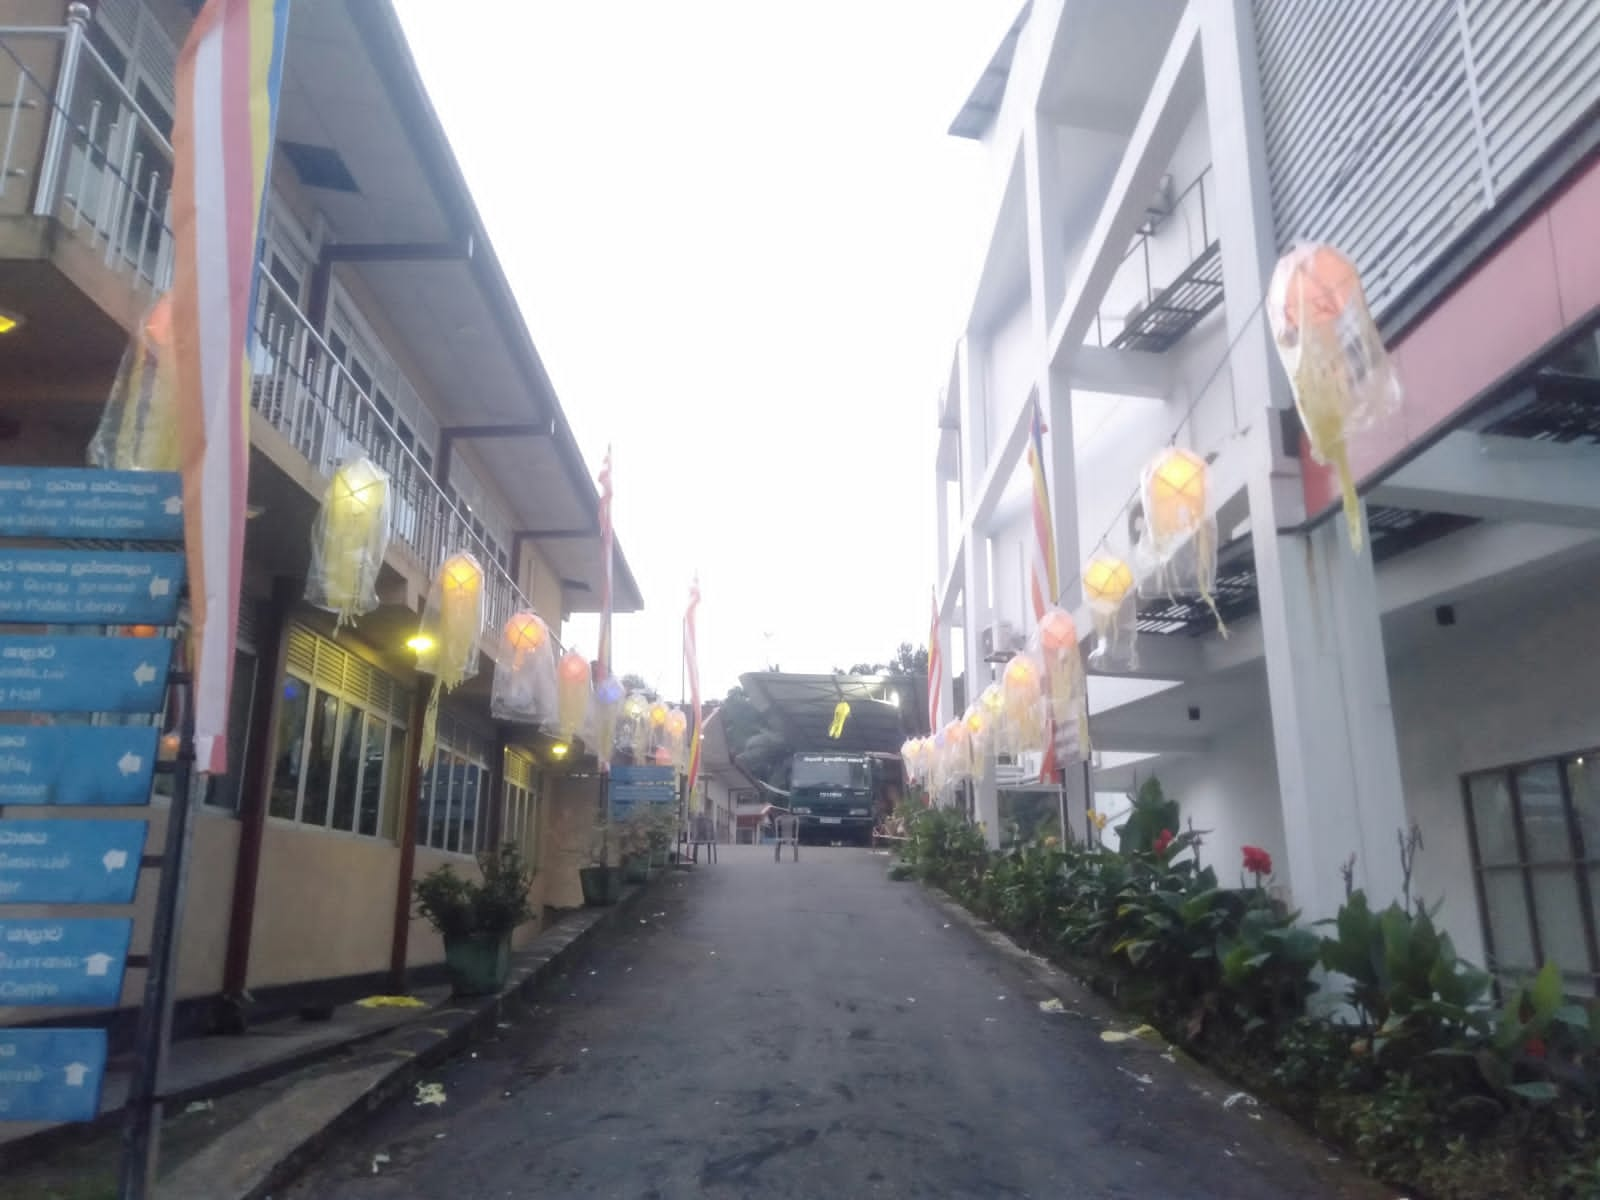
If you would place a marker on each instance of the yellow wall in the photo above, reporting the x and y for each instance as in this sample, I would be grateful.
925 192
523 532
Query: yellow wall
568 821
324 905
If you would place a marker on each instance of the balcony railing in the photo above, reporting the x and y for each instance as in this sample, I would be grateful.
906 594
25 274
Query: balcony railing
1169 279
84 150
306 394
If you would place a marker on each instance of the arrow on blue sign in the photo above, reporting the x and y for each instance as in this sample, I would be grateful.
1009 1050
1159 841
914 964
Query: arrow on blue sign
76 502
83 674
89 587
51 1074
75 961
77 764
70 862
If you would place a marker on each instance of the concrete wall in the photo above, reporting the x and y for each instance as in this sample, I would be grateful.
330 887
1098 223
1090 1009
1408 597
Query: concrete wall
324 905
1490 693
1231 795
569 808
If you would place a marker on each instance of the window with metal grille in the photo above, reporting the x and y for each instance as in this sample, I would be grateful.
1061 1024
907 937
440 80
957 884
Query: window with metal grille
1535 835
339 745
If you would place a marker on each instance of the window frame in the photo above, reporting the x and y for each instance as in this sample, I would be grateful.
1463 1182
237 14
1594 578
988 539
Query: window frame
457 745
1581 860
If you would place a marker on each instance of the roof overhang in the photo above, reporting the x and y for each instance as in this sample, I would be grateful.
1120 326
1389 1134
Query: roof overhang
883 709
352 86
978 113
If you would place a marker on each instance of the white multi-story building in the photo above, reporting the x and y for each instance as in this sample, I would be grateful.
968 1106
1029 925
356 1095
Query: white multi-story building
1150 160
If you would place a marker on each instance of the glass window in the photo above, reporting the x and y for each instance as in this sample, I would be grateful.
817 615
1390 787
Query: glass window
290 740
319 759
471 776
374 737
393 781
347 780
1534 831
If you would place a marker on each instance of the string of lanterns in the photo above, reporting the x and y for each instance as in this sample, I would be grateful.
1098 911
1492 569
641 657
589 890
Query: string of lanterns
1344 385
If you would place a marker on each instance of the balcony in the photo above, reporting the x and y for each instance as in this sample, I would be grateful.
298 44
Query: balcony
1175 244
305 393
78 150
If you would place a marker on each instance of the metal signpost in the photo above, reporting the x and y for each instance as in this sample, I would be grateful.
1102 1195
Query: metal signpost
55 1074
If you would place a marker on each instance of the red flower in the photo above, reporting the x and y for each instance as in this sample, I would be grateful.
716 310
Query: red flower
1534 1047
1257 861
1163 841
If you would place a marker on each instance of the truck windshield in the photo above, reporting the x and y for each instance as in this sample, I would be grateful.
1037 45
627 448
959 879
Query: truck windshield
831 771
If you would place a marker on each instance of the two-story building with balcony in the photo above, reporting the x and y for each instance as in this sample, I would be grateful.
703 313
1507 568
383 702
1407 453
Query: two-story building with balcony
1150 161
385 326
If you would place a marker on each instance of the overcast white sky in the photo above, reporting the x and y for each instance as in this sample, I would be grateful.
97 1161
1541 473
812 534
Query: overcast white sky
744 244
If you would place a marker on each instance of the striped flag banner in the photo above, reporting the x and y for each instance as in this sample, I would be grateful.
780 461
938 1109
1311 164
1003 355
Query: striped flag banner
1043 583
691 663
606 557
229 77
935 667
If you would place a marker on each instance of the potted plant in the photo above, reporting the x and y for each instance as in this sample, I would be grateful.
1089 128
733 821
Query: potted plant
476 919
634 843
601 880
663 825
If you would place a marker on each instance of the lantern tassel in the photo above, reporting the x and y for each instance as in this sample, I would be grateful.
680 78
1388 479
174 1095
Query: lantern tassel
1205 537
1347 493
430 727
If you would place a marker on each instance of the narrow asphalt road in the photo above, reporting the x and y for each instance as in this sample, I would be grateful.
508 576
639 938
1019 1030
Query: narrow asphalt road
812 1029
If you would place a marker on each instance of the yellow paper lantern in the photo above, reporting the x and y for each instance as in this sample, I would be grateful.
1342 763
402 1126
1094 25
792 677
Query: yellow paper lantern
1108 589
1106 581
1022 698
1180 534
1335 359
993 701
448 636
350 538
525 633
1176 494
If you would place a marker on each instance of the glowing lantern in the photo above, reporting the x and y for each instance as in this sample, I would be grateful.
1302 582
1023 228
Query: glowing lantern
349 540
674 731
448 636
658 715
572 692
1063 673
993 701
1022 705
663 757
142 631
609 697
958 753
1343 381
1180 535
1113 607
841 713
636 724
979 731
524 679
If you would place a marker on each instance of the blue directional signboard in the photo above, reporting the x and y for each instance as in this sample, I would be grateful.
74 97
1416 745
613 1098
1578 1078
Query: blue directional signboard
77 764
70 862
60 962
51 1074
89 587
82 674
72 502
633 786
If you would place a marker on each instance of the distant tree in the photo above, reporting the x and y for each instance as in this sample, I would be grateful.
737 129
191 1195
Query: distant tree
636 683
907 660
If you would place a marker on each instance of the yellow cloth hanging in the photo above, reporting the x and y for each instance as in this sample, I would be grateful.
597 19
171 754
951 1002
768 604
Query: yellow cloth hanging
841 711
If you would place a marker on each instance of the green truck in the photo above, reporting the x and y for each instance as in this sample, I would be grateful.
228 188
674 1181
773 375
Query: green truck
833 794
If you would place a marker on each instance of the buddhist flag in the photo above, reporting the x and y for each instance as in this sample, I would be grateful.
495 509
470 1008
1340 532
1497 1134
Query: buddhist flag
229 76
691 666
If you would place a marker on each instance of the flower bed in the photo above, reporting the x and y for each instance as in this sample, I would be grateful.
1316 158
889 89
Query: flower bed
1417 1075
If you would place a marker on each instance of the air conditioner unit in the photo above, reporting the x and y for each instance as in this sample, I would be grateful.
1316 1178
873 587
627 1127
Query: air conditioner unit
1000 641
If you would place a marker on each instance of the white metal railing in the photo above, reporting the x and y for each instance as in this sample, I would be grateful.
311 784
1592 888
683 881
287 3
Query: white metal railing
306 394
99 163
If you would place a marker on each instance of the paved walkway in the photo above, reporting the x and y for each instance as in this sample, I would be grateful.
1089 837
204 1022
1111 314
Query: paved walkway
814 1030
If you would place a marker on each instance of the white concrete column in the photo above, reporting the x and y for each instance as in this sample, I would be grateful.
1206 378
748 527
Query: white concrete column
975 603
1332 724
